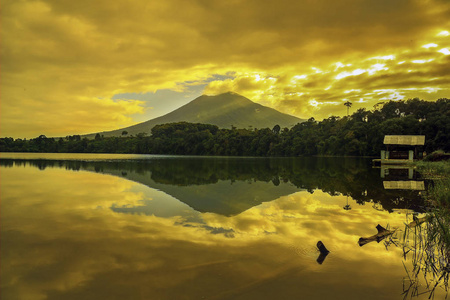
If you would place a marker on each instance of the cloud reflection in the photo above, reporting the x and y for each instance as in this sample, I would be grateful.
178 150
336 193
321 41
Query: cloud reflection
62 240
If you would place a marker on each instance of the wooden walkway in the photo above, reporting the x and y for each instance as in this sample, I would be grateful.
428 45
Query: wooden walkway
379 161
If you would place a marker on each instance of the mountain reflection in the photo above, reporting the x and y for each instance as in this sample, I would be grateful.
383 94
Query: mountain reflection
229 186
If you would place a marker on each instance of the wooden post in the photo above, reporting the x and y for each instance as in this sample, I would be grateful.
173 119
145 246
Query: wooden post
323 252
322 247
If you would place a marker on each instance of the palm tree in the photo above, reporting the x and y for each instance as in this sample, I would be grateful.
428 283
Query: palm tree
347 207
348 104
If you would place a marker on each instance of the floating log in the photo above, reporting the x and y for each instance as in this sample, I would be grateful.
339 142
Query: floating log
417 221
323 252
382 234
322 248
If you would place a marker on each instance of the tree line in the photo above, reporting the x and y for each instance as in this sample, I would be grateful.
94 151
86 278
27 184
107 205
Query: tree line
359 134
336 177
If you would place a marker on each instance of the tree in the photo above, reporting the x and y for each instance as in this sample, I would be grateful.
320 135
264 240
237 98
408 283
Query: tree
124 132
141 135
361 135
348 104
276 129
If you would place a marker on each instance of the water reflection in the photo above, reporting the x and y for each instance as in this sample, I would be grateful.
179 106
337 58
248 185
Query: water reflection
401 178
229 186
100 234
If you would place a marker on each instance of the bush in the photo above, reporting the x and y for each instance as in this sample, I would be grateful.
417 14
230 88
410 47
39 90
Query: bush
438 155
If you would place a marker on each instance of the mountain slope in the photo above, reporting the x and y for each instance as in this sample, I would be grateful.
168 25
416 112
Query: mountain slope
223 110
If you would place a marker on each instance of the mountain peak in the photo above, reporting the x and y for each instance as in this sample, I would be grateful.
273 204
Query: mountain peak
224 110
231 93
225 93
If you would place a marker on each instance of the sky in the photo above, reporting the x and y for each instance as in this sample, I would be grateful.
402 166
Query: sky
77 67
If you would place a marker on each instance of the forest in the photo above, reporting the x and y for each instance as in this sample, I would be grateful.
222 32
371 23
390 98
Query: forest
359 134
347 176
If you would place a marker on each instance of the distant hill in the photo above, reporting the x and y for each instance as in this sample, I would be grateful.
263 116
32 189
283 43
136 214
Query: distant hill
223 110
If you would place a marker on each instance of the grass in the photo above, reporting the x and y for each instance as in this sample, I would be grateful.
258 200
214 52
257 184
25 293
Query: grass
434 170
429 244
429 260
438 197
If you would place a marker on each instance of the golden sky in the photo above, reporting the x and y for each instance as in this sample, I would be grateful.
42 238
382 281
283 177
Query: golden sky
75 67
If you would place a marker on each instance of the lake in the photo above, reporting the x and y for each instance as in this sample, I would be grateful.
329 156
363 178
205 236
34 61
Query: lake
104 226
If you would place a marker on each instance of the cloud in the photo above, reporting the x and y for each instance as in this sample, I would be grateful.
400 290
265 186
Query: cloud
320 91
173 98
75 53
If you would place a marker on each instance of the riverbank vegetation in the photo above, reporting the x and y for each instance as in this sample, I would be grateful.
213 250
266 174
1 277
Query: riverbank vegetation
360 134
429 243
438 197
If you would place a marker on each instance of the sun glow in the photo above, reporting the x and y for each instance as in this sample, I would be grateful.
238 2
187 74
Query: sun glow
443 33
386 57
422 61
353 73
431 45
314 103
377 67
296 77
444 51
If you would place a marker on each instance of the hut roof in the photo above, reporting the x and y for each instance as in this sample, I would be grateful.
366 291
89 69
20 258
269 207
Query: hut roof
411 140
404 185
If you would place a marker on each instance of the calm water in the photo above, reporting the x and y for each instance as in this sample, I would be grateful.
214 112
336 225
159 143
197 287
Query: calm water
162 227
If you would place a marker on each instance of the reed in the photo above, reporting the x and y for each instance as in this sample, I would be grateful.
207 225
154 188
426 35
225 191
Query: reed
428 245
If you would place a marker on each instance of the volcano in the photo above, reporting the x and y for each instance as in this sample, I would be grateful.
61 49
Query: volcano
224 110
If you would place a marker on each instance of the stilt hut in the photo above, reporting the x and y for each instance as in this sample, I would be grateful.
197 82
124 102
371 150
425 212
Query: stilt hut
401 149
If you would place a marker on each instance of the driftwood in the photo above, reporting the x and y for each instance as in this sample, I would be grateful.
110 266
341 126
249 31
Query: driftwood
383 232
416 221
323 252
